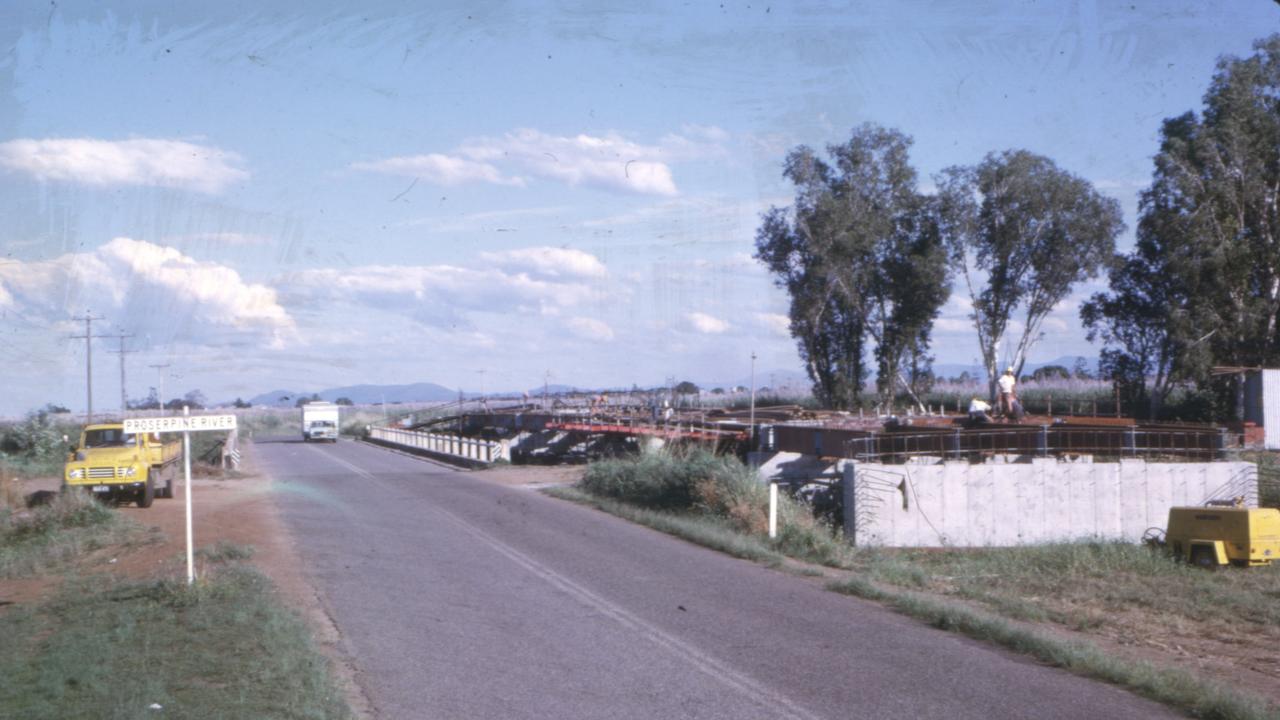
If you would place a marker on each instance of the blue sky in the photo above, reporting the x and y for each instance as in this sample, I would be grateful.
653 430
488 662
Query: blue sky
307 196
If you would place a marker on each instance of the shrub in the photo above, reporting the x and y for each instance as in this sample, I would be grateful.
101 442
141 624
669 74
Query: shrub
717 487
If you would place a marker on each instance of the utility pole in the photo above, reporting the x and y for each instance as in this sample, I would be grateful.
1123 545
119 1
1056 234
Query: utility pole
124 396
88 361
546 384
753 395
161 369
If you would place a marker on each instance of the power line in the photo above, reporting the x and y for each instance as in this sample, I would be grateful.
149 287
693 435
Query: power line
88 361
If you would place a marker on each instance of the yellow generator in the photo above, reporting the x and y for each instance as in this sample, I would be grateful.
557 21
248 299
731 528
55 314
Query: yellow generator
1224 534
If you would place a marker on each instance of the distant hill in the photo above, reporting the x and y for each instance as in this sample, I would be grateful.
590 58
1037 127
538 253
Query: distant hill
362 394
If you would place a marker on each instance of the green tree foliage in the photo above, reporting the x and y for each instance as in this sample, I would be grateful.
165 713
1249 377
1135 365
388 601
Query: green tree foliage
1050 372
1202 286
241 404
860 255
686 388
1023 232
343 401
303 400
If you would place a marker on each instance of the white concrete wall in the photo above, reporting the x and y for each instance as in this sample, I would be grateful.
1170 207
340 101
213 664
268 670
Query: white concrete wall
960 504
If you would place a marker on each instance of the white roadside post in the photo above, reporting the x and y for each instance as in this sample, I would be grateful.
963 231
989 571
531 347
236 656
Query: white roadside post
185 424
773 510
186 485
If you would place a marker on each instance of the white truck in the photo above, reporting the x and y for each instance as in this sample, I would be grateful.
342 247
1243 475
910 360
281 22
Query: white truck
319 421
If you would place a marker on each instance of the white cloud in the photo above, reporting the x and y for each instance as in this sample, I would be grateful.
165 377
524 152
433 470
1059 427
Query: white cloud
439 294
775 323
590 329
440 169
707 324
148 289
141 161
606 162
548 262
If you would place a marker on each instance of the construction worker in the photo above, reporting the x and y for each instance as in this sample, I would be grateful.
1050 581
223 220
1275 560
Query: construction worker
1007 396
978 409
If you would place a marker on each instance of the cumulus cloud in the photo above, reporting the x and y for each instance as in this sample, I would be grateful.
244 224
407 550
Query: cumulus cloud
707 324
440 169
609 161
150 289
590 329
548 262
438 294
140 161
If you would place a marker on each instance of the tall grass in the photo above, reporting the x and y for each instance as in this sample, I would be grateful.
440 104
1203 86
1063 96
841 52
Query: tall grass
721 488
49 535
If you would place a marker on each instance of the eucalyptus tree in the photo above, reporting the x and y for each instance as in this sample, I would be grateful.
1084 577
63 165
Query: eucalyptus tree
1022 233
1203 282
860 254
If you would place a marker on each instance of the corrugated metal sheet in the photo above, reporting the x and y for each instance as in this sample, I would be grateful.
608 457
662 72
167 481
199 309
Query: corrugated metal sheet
1271 408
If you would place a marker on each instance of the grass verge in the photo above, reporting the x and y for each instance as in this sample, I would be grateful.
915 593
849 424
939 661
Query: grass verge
1184 691
48 536
700 530
222 648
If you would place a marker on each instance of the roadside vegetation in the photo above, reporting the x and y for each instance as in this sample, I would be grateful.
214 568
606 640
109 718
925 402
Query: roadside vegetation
1059 602
86 641
34 446
224 647
720 490
49 536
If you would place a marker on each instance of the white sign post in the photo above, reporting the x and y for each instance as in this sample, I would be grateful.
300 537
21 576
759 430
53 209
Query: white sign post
186 424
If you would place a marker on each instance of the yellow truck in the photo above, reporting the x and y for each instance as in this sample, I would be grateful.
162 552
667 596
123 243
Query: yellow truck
1224 534
123 467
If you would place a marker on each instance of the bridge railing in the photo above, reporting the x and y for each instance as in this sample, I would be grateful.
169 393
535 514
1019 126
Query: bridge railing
460 447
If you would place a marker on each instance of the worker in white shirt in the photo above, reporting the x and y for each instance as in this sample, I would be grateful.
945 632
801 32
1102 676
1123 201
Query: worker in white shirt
1007 382
978 409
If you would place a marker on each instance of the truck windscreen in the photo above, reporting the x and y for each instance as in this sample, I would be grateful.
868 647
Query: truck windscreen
107 437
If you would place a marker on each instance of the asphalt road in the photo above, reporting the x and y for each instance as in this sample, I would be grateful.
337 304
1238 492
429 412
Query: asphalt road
461 598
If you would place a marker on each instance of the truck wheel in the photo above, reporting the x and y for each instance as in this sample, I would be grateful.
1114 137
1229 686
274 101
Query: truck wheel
148 494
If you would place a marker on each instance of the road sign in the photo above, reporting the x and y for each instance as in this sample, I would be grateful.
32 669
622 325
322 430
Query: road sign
192 423
185 424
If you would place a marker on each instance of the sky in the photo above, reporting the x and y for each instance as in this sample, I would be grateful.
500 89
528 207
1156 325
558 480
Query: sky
298 195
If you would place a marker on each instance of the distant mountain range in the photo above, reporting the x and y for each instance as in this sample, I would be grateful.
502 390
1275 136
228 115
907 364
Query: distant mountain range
431 392
362 394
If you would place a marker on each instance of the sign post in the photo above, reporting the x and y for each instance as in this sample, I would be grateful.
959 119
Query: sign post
185 424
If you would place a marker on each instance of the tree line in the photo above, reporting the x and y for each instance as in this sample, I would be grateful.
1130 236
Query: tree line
868 259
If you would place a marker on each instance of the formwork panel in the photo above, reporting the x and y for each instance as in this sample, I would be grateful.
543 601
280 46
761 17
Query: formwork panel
1271 409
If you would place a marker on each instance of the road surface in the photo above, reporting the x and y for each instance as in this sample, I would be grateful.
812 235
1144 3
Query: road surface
461 598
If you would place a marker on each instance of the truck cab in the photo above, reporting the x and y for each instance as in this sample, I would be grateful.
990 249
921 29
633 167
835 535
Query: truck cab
319 421
123 467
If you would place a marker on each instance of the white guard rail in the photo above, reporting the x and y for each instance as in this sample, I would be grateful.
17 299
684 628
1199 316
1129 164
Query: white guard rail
478 450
